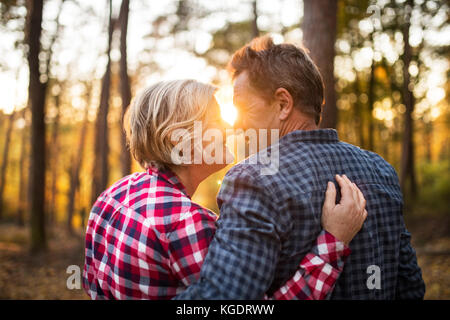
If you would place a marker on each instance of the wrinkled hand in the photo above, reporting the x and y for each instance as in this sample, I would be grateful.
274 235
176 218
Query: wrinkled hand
345 219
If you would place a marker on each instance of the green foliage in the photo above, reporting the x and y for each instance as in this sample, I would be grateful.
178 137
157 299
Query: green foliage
434 187
227 40
350 12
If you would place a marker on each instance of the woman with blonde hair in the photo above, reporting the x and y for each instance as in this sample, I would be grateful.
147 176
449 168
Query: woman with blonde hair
146 238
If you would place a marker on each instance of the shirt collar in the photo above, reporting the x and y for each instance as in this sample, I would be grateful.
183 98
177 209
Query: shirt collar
169 176
318 136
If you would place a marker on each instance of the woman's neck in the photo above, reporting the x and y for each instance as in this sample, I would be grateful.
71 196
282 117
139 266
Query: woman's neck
190 177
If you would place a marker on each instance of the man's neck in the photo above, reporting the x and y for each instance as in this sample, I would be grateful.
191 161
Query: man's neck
297 121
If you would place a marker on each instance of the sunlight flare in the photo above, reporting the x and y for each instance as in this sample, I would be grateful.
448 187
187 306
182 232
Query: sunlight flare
224 97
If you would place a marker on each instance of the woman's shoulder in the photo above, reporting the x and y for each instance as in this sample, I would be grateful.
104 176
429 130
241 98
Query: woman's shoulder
195 220
167 205
200 210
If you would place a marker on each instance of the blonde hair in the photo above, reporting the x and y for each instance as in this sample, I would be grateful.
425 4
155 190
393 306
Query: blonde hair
159 110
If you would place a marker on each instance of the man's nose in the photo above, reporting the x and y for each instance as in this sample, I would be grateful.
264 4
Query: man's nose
239 123
225 125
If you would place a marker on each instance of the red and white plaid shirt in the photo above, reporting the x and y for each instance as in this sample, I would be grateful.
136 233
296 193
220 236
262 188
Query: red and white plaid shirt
146 239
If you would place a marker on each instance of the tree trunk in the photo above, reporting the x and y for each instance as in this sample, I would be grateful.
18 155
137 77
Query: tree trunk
359 113
54 144
101 146
11 119
371 101
54 147
428 140
36 96
407 171
125 90
255 30
77 160
22 201
319 36
385 147
83 218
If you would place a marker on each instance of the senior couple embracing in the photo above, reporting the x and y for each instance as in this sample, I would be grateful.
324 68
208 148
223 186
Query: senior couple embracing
322 222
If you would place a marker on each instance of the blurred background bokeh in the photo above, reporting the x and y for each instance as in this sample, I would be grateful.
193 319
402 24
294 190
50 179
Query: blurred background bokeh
69 68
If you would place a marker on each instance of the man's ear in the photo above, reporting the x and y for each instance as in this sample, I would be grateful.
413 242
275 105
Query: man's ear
285 102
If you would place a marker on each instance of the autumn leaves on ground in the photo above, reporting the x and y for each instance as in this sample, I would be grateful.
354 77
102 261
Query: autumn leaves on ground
44 276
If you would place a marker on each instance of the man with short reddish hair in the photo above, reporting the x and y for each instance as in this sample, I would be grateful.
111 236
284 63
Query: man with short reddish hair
268 222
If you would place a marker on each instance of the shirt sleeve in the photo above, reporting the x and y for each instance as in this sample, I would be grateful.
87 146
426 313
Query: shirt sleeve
318 271
244 252
188 244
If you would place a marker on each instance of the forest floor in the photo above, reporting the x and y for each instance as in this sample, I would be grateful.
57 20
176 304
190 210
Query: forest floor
38 276
44 276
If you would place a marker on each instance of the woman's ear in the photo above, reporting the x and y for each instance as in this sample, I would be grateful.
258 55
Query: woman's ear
285 102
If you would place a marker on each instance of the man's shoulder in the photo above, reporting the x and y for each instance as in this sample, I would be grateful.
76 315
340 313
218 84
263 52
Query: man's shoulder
250 172
376 161
242 169
260 167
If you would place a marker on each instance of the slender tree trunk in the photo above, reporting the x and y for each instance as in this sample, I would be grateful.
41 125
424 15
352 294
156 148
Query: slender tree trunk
83 218
407 171
36 95
255 30
359 113
382 134
11 119
371 102
125 89
101 146
428 140
54 147
77 160
22 201
371 98
319 36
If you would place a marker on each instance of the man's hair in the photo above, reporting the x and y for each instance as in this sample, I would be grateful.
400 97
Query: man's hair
271 66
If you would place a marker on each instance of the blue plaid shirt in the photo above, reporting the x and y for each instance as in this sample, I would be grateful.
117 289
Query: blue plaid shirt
269 222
